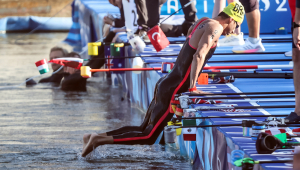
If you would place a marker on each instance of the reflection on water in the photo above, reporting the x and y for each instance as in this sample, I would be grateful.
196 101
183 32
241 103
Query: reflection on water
41 126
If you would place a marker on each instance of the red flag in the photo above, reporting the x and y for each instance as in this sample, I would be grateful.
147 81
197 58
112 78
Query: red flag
158 38
69 62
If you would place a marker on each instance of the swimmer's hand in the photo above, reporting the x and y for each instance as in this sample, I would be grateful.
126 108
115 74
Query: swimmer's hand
30 82
194 90
199 92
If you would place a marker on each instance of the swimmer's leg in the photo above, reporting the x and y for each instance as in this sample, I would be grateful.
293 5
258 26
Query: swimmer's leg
86 138
142 127
122 130
147 137
92 141
128 129
95 141
159 117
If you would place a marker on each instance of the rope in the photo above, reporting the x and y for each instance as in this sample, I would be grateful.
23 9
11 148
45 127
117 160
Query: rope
10 87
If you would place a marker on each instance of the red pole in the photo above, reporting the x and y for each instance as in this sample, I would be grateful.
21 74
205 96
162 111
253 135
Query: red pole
125 69
230 67
205 68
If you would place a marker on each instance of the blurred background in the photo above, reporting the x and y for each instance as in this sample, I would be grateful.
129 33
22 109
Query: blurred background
43 8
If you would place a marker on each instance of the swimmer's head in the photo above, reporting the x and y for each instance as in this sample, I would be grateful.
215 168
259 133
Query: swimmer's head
57 52
235 11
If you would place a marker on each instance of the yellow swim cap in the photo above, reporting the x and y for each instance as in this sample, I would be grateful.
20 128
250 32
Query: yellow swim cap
236 11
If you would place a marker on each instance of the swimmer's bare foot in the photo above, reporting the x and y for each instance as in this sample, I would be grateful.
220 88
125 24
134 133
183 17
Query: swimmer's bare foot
199 92
86 138
95 141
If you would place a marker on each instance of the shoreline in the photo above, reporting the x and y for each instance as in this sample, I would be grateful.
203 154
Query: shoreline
41 8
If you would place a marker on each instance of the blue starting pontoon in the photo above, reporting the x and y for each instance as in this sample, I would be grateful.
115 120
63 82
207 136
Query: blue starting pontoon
214 145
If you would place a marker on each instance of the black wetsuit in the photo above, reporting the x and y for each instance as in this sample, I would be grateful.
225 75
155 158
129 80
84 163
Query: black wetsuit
158 113
73 82
55 78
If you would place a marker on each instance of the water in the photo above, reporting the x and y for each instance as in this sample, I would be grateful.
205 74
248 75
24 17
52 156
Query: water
41 127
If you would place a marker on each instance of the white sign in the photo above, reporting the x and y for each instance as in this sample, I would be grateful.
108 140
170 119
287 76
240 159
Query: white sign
131 15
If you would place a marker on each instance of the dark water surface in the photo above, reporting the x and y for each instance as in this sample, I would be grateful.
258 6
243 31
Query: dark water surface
41 127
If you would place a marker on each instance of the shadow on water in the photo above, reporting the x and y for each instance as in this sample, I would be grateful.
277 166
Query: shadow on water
41 127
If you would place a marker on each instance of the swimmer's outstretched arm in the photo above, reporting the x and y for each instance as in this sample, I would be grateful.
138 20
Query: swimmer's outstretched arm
211 34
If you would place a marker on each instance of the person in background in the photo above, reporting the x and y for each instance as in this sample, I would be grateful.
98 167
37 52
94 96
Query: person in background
71 70
55 52
295 9
292 4
110 21
253 42
190 18
72 79
149 16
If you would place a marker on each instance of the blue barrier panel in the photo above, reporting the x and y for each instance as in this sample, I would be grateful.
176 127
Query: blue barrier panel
274 14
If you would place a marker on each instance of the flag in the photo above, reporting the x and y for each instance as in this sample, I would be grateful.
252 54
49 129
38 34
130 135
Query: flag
189 134
108 62
276 130
166 67
69 62
112 62
158 38
42 66
296 131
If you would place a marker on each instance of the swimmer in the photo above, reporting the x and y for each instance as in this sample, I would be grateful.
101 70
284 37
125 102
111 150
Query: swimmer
55 52
197 49
72 80
70 70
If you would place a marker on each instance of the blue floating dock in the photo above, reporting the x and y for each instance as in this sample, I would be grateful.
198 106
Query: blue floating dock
16 24
213 146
